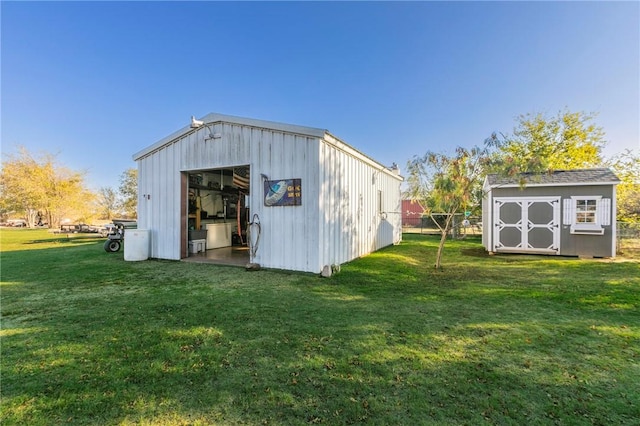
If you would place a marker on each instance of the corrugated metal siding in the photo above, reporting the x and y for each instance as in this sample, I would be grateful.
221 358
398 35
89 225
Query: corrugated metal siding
289 237
159 176
159 201
337 221
350 224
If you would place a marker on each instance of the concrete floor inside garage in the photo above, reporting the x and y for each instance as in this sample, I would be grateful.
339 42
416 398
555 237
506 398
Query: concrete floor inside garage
230 256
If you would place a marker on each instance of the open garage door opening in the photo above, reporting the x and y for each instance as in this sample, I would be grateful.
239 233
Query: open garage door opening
216 215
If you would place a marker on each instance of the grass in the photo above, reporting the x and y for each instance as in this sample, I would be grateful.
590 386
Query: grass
88 338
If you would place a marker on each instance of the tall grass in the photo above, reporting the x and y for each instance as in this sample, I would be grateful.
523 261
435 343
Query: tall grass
88 338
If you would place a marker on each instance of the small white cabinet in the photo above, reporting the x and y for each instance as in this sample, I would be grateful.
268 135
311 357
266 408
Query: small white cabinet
219 234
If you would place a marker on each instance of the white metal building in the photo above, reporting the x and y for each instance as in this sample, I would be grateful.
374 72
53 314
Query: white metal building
319 202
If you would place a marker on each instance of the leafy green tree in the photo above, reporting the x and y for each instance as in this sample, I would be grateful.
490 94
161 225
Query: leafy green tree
23 184
446 185
108 202
570 140
627 167
30 185
129 192
68 197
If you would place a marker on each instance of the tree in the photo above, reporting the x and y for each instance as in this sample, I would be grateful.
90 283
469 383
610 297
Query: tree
627 167
129 192
31 185
21 184
108 202
444 185
568 141
67 197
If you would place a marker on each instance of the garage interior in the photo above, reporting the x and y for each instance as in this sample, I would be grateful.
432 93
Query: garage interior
218 215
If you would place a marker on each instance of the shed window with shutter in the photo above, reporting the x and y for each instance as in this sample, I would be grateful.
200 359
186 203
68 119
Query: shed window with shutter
587 215
586 211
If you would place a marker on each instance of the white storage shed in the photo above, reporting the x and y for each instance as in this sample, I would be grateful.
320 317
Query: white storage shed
298 197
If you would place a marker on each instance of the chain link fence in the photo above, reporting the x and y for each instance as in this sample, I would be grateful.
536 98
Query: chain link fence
462 226
628 240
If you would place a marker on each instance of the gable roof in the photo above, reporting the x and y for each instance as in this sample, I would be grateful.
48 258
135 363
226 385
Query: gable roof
213 118
599 176
322 134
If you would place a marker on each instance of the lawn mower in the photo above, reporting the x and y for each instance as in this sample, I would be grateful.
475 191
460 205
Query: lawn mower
115 235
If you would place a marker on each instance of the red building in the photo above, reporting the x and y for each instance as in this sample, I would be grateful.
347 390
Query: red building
411 213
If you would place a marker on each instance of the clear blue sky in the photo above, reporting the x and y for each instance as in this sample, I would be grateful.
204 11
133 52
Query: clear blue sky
96 82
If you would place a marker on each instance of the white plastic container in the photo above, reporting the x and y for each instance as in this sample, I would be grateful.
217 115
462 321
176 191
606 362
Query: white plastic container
197 246
136 244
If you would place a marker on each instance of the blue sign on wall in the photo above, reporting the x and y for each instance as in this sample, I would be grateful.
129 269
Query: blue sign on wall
284 192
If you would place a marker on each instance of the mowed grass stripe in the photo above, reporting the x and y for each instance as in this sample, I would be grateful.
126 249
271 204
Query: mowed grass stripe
88 338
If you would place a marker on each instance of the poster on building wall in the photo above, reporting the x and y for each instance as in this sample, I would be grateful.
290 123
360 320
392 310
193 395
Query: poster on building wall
284 192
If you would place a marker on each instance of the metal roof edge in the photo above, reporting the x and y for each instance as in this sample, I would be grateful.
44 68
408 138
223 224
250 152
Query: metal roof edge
342 145
273 125
213 118
528 184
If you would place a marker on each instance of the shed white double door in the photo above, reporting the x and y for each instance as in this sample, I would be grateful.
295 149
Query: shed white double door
526 224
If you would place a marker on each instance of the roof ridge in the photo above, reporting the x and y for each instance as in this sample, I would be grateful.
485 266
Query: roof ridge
560 170
596 175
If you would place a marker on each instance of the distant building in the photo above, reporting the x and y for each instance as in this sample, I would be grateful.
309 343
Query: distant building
411 214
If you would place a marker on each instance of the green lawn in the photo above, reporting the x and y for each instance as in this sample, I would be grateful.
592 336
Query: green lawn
88 338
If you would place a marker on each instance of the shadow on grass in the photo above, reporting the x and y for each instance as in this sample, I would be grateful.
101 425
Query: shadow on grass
387 341
297 357
67 239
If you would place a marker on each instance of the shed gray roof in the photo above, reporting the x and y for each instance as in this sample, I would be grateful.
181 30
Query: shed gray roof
601 176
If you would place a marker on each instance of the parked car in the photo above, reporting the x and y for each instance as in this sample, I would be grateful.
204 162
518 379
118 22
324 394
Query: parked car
80 228
17 223
105 230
